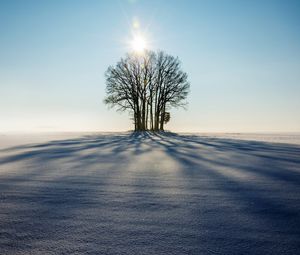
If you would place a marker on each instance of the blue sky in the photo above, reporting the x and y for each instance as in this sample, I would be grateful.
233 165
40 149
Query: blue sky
242 58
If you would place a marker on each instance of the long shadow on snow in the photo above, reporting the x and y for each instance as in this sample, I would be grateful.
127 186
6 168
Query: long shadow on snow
56 199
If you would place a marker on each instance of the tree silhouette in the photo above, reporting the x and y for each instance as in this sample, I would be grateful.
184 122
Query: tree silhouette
147 85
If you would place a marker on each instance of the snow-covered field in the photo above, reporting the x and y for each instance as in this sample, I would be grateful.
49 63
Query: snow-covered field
124 193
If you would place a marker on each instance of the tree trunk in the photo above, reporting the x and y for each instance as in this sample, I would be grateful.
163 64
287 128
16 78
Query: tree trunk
135 121
144 115
162 118
138 116
151 115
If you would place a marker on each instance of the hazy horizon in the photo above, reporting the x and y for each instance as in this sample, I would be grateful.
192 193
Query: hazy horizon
242 59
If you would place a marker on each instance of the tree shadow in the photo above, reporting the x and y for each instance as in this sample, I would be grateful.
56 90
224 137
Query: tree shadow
150 193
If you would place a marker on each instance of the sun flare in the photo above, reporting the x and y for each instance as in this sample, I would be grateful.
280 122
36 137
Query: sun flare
138 44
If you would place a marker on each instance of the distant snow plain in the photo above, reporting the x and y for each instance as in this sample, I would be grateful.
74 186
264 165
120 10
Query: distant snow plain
146 193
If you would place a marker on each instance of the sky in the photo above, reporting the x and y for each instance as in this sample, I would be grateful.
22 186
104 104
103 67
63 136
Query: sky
242 59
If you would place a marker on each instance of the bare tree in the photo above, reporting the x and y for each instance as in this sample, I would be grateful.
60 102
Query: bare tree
147 85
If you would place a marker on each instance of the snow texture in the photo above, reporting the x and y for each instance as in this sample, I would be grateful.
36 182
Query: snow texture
143 193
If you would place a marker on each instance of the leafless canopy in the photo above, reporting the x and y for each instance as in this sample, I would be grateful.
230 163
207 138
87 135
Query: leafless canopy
147 85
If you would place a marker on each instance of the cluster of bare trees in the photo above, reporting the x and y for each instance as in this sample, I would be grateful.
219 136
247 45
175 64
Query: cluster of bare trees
147 85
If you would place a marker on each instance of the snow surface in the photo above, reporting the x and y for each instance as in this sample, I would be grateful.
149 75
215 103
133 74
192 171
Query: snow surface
126 193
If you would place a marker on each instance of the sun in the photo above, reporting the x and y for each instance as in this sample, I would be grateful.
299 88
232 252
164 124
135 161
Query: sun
138 43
